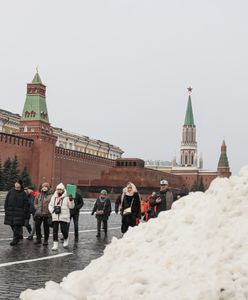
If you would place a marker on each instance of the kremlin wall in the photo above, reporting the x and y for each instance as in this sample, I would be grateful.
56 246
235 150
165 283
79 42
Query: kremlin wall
54 155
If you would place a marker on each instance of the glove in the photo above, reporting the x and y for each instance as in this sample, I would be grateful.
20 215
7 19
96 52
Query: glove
92 213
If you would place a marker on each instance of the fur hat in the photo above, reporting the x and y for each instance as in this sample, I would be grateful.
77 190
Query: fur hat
60 186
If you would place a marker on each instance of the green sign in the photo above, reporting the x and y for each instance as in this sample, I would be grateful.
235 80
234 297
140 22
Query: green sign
71 190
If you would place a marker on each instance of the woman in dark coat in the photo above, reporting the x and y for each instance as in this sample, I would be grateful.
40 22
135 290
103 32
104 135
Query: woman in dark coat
130 207
16 208
102 209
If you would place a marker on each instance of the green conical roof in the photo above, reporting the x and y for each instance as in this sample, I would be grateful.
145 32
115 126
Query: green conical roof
189 118
37 78
223 161
35 108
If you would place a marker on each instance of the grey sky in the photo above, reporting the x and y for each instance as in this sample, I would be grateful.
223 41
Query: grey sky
118 70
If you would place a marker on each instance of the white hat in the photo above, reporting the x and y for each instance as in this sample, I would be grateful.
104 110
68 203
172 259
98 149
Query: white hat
163 181
60 186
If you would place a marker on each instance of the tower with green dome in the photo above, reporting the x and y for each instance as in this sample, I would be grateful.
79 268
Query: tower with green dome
34 124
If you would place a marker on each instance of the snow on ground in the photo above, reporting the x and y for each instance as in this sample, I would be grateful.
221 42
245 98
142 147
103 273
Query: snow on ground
196 251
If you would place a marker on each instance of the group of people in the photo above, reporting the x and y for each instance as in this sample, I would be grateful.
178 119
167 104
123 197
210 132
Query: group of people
50 209
57 209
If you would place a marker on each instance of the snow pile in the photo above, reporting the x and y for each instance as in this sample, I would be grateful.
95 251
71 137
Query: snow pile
196 251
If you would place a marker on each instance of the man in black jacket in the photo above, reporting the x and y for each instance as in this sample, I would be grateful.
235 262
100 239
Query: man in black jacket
74 213
163 200
16 208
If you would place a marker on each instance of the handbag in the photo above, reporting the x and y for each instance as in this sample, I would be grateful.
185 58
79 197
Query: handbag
128 210
57 210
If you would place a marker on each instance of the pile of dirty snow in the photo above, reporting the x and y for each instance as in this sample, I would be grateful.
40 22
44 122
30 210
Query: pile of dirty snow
196 251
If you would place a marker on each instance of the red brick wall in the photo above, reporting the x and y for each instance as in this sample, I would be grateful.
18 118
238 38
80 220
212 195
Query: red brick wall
11 145
72 166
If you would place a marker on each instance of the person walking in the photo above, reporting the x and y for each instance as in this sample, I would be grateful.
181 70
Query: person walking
74 213
42 213
102 209
31 198
163 200
16 208
59 207
130 207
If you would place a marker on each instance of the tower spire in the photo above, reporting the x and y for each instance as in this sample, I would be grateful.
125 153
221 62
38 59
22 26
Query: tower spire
188 144
223 165
189 117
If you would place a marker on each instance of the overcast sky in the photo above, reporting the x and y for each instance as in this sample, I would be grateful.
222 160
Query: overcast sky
119 70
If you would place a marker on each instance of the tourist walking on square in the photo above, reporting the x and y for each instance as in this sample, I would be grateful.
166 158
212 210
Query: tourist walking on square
16 208
130 207
163 200
42 214
102 209
59 207
29 190
74 213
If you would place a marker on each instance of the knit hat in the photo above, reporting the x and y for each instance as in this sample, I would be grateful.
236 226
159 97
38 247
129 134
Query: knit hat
103 192
60 186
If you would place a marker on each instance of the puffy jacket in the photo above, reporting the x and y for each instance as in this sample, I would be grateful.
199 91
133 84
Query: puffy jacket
65 203
16 208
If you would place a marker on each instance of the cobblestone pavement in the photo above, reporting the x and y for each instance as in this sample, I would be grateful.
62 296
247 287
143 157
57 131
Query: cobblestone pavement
20 275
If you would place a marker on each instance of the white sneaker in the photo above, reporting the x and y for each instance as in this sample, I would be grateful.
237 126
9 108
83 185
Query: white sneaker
66 243
55 246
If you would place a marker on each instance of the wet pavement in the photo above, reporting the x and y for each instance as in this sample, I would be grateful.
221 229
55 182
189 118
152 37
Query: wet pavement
18 274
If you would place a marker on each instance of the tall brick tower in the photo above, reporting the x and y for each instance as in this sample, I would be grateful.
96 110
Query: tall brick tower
189 144
35 124
223 165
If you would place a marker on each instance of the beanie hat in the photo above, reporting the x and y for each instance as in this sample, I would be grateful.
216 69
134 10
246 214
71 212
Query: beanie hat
104 192
60 186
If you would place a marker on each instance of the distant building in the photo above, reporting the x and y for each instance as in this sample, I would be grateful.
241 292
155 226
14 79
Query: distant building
10 122
54 155
190 166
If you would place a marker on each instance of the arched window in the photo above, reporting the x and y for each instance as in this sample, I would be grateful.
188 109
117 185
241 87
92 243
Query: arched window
186 159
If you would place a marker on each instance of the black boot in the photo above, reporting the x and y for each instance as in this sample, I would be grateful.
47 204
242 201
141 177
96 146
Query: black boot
37 242
14 242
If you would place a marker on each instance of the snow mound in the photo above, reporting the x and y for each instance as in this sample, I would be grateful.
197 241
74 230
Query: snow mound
196 251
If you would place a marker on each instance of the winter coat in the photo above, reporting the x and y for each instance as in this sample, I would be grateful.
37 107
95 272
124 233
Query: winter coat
41 204
65 203
31 200
79 202
16 208
102 205
165 204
